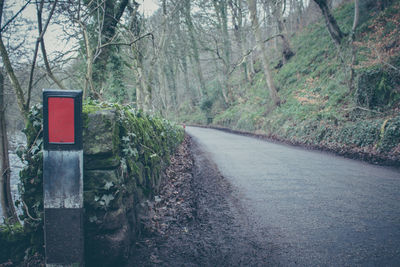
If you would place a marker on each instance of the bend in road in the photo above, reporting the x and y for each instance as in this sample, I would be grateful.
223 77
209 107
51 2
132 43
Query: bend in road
316 208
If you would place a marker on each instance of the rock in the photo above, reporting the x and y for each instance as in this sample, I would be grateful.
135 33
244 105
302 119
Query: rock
110 249
99 133
97 179
101 163
115 219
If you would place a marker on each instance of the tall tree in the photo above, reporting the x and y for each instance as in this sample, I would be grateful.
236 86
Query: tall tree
110 12
23 107
236 7
257 32
353 46
186 10
6 201
221 10
333 28
24 102
277 10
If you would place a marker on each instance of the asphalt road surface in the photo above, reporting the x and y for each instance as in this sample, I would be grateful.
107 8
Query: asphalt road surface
315 208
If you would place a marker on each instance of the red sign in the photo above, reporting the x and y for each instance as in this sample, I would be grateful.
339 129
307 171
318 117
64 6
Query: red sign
61 120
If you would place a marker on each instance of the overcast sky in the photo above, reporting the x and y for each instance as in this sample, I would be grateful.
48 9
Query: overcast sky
53 36
148 6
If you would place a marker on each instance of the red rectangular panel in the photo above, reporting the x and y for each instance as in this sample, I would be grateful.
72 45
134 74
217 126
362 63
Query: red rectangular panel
61 120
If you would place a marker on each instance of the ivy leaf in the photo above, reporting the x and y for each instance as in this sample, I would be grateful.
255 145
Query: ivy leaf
36 123
125 138
107 199
34 149
93 219
108 185
96 198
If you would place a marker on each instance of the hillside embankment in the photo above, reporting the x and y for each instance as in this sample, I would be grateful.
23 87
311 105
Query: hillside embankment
319 108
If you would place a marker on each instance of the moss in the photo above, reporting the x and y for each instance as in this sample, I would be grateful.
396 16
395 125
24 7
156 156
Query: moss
318 108
13 243
390 135
102 163
141 144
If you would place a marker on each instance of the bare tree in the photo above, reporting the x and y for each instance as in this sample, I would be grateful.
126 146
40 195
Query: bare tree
221 11
186 11
24 102
111 13
277 10
333 28
353 46
6 201
267 72
23 97
236 7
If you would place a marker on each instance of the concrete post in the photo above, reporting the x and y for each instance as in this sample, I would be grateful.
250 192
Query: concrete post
63 177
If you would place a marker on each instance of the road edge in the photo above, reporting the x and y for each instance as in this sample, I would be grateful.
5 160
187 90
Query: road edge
355 155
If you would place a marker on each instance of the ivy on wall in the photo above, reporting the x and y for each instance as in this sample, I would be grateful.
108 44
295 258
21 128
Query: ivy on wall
125 152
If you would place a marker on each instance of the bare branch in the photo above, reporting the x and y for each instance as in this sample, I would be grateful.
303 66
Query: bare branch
13 17
133 42
14 80
43 48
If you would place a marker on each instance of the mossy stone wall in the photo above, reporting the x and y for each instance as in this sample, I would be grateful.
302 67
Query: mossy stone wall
125 152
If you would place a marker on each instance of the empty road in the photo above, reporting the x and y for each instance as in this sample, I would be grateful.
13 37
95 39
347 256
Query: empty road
315 209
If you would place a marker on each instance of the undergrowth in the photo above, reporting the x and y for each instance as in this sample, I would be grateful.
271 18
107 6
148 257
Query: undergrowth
318 108
142 147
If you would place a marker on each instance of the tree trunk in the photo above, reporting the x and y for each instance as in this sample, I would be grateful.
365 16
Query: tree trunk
353 46
268 76
250 61
287 52
333 28
42 31
182 57
14 81
195 48
237 21
221 9
162 94
112 13
140 89
6 201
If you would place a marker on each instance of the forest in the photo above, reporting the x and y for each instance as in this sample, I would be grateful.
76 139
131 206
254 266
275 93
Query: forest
194 60
317 73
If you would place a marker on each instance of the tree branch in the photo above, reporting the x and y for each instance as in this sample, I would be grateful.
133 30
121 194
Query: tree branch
133 42
14 80
43 48
13 17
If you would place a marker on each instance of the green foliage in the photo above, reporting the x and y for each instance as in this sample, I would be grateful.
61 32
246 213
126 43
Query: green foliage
206 104
376 88
318 109
13 243
142 146
389 135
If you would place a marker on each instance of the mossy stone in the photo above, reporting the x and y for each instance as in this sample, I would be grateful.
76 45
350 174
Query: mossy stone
101 163
96 179
98 135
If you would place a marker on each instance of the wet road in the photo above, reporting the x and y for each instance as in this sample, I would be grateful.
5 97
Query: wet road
315 208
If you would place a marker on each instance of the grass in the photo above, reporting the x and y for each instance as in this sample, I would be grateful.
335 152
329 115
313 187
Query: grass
318 109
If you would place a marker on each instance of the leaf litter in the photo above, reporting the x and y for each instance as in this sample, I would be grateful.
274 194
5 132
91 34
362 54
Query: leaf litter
197 220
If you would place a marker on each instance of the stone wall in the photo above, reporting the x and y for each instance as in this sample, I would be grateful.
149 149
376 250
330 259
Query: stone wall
125 152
